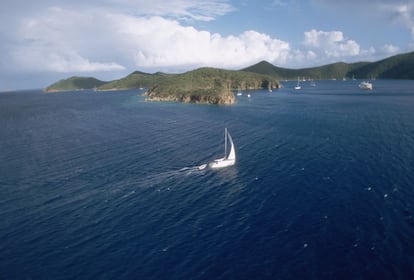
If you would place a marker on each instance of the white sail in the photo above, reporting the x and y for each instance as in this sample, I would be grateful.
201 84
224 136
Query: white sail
227 160
232 154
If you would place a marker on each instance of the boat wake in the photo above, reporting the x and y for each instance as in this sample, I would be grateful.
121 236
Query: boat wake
163 178
192 169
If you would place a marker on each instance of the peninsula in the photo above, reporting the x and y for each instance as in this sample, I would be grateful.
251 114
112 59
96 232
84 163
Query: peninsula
208 86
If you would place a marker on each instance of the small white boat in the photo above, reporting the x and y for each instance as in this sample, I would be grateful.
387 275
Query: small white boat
365 85
239 94
228 159
248 95
202 167
297 87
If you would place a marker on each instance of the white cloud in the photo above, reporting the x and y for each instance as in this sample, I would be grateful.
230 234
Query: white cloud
402 12
58 37
58 41
204 10
98 40
64 40
33 58
311 55
168 43
280 3
332 44
390 49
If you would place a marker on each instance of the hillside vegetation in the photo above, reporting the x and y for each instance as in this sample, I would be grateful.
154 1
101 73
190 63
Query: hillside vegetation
75 83
136 79
395 67
330 71
211 85
208 85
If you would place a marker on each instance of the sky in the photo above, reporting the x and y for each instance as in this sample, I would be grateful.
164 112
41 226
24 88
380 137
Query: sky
44 41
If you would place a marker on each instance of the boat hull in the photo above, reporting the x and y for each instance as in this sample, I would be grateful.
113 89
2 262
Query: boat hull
202 167
221 163
365 85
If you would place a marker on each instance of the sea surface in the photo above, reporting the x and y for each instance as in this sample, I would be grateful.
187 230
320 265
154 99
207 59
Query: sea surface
103 185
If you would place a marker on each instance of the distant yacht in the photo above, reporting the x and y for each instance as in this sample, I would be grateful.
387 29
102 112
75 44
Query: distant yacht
297 87
239 94
228 159
365 85
312 83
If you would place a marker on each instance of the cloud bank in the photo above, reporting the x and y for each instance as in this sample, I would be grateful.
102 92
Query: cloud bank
64 40
97 40
126 35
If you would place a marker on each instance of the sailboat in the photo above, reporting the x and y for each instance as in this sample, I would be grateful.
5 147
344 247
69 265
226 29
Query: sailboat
228 159
365 85
239 92
298 85
312 83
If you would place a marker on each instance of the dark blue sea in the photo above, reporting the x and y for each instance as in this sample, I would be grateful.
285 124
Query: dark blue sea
103 185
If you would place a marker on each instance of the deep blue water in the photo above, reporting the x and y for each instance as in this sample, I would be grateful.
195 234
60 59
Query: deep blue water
104 185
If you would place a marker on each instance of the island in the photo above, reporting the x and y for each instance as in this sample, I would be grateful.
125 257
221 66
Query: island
217 86
201 86
208 86
75 83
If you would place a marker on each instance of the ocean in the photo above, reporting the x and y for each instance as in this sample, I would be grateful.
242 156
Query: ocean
103 185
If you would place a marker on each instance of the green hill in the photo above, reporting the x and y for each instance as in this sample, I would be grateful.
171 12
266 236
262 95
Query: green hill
214 82
204 85
208 85
75 83
331 71
395 67
136 79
